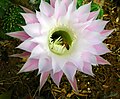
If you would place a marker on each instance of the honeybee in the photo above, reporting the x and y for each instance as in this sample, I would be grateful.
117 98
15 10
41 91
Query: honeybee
66 45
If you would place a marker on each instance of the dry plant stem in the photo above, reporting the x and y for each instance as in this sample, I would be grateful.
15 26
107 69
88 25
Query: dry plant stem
8 79
35 93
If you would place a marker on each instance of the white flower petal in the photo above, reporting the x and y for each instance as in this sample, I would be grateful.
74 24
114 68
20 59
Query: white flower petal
67 2
55 65
32 30
60 9
101 49
91 49
81 19
87 69
30 65
83 9
27 10
93 38
29 18
42 39
71 8
93 15
77 60
82 45
89 58
37 52
22 55
69 69
102 61
97 25
105 33
44 64
45 21
43 79
79 27
27 45
52 2
46 8
73 84
19 34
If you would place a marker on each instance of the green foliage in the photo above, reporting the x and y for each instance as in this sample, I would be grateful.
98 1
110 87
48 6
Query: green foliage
119 80
47 1
79 3
95 7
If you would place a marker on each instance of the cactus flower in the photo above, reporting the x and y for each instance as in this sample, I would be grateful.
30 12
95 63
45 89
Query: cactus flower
61 39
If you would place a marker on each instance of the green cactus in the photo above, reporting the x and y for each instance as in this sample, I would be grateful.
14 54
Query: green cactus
11 21
4 5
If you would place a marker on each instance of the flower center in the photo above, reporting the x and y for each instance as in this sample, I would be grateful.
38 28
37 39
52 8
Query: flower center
61 40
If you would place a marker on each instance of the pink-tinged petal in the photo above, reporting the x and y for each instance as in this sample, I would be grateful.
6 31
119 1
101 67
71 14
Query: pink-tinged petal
69 69
77 60
89 58
45 21
27 45
43 79
102 61
57 77
22 55
83 9
42 40
32 30
67 3
71 9
105 33
55 66
93 15
81 43
19 34
29 18
73 84
82 18
37 52
81 26
97 25
26 10
101 49
60 9
91 49
52 2
30 65
87 69
44 64
57 3
42 18
93 38
46 8
79 65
